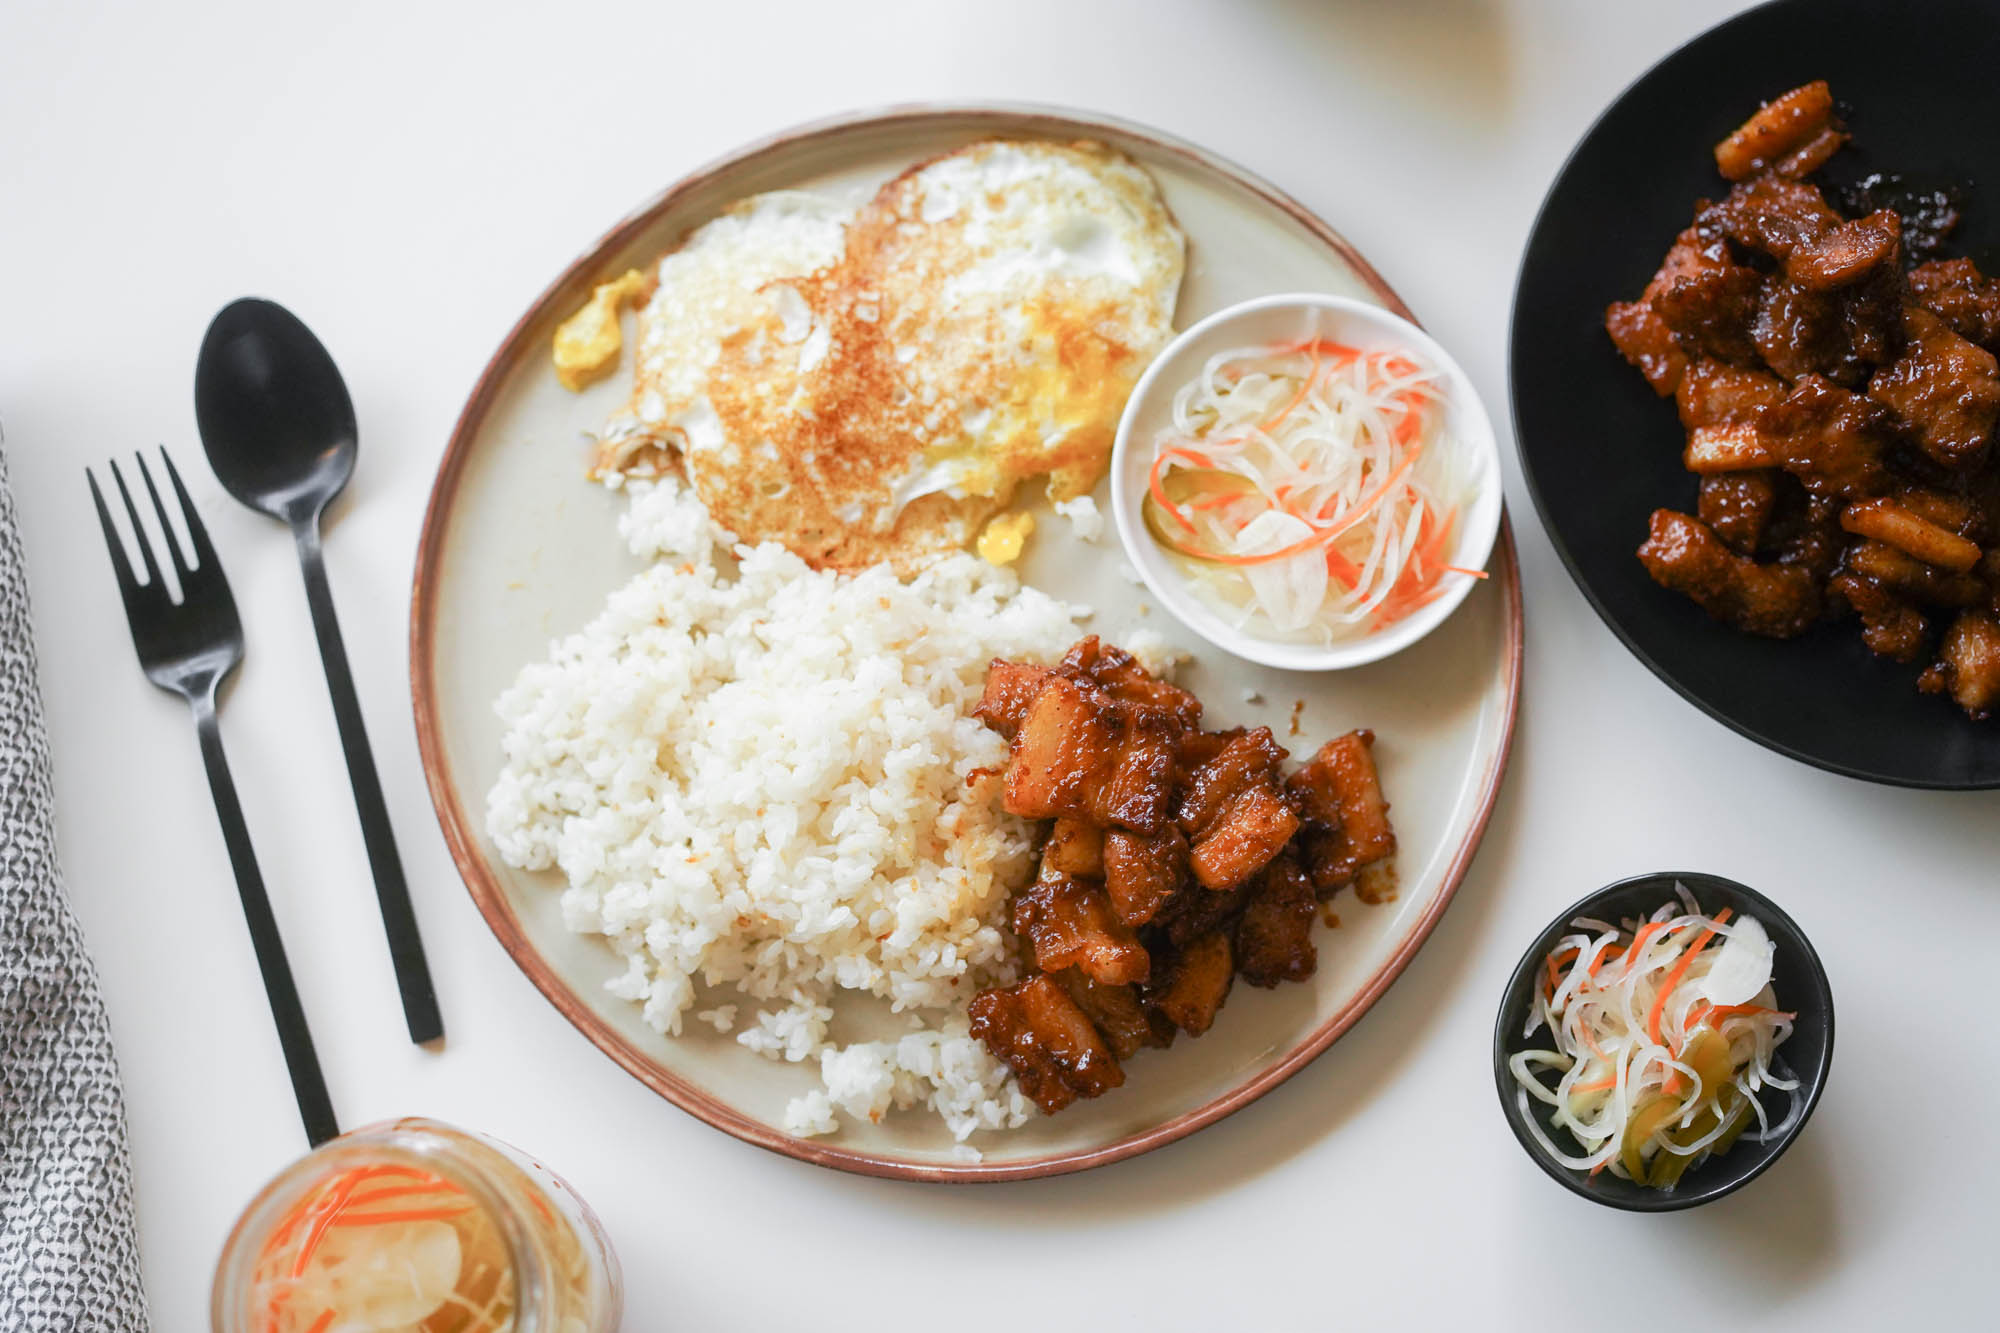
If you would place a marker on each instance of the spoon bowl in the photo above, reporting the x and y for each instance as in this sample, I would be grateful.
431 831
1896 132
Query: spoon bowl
275 416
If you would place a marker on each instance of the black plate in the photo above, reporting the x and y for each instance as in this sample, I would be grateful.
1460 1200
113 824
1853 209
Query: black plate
1920 88
1797 979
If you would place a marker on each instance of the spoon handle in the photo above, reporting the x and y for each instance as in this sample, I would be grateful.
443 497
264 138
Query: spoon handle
308 1085
406 947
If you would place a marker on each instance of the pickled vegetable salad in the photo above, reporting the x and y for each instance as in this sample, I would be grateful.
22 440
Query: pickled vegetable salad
1664 1033
1312 489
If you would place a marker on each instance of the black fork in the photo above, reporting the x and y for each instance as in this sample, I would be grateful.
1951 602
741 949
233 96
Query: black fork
187 646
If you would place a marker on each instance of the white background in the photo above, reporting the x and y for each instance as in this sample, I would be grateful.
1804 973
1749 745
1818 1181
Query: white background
406 178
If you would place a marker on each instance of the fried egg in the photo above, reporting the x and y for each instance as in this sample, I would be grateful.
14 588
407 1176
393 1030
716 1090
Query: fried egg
983 323
727 275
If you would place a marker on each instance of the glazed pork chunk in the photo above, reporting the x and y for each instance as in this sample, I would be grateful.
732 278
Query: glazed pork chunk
1273 940
1069 922
1048 1041
1346 820
1792 135
1776 601
1958 293
1232 812
1197 981
1944 388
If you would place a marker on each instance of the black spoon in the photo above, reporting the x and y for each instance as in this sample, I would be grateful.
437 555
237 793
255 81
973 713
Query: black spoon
279 431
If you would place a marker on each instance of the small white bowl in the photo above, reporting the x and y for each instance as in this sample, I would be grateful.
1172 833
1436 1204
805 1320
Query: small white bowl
1295 317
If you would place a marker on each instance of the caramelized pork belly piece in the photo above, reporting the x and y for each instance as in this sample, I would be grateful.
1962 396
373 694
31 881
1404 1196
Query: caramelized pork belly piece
1637 328
1911 578
1119 675
1958 293
1737 507
1342 776
1197 981
1841 334
1244 759
1711 312
1199 748
1233 814
1830 439
1968 665
1079 752
1075 847
1143 870
1064 753
1049 1043
1714 392
1797 131
1965 515
1274 935
1140 792
1847 254
1069 922
1011 688
1768 215
1644 339
1946 389
1252 829
1681 553
1894 523
1125 1024
1729 446
1194 911
1890 626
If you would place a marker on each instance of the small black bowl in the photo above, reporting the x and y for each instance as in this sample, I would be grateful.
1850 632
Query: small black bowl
1798 980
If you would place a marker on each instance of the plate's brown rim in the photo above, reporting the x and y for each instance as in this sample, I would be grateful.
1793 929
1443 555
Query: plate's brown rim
490 899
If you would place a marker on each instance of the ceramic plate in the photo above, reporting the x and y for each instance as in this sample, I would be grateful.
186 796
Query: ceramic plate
1601 452
518 547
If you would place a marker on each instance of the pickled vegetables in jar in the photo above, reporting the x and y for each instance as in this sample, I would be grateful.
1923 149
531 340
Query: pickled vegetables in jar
417 1227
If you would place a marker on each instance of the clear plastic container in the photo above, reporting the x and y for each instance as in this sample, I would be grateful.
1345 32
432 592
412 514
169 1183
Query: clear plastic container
417 1227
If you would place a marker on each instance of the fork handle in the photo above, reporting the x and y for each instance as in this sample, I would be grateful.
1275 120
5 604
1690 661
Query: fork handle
399 919
315 1108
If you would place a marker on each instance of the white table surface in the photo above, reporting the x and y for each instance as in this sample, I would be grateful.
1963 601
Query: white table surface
405 178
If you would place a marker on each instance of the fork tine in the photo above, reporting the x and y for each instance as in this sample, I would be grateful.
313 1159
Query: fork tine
128 586
138 529
204 551
166 527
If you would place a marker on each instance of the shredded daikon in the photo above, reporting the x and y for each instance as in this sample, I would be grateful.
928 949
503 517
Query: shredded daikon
1663 1032
1311 490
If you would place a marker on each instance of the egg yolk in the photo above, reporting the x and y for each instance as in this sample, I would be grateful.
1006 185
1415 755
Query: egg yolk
1001 540
587 343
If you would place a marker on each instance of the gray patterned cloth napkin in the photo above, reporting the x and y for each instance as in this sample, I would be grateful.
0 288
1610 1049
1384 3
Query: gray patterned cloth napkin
69 1259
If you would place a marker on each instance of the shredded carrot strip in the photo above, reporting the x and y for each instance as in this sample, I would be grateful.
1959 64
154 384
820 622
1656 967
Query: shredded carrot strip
1680 970
405 1215
1608 1081
1159 492
1343 569
402 1191
1639 941
1556 960
336 1199
320 1324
